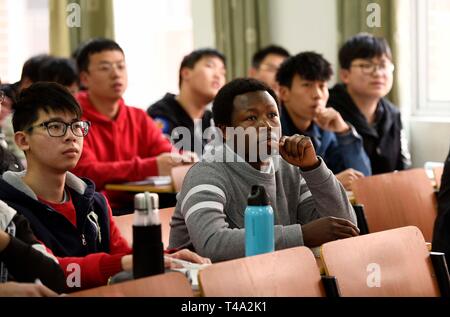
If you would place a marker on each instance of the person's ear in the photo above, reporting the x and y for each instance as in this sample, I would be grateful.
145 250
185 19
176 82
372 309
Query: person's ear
84 76
185 73
284 93
344 75
252 72
21 139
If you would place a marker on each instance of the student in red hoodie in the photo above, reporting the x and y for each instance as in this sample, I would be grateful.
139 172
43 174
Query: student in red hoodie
124 144
65 212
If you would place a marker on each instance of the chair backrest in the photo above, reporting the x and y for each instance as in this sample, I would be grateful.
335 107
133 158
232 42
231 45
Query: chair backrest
173 284
289 272
438 171
395 200
125 225
388 263
178 173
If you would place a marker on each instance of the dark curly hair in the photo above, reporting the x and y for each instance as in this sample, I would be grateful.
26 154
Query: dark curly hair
223 105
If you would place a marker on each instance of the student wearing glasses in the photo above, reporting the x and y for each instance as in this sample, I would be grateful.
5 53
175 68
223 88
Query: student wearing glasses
65 212
367 76
124 143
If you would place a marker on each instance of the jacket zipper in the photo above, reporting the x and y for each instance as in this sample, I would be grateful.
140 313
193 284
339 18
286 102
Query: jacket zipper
83 239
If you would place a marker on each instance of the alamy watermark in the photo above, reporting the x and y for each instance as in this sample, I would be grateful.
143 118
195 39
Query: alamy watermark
374 18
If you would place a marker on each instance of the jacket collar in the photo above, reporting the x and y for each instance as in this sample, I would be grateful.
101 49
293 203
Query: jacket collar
15 179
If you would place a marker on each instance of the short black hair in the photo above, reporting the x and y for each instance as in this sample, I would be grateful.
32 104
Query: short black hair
223 104
192 58
60 70
365 46
46 96
93 46
308 65
31 67
260 55
10 92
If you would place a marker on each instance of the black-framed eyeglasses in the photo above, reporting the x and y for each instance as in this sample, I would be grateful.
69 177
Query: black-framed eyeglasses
59 128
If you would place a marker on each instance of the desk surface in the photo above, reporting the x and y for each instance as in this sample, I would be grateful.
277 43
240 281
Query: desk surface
141 188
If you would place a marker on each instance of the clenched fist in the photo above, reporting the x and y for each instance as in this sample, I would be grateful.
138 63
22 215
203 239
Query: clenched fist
298 150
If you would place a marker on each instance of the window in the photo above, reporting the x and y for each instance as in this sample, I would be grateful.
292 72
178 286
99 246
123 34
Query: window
433 61
155 35
20 37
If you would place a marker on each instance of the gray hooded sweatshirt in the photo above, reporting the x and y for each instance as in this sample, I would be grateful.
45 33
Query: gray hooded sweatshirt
209 215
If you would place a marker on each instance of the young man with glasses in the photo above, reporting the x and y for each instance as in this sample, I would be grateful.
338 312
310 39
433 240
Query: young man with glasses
265 64
124 143
65 212
367 76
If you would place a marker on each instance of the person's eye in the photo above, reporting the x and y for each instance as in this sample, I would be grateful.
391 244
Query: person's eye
251 118
273 115
306 85
56 127
104 68
121 66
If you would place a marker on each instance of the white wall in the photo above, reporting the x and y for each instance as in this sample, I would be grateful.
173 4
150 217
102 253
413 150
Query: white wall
301 25
203 23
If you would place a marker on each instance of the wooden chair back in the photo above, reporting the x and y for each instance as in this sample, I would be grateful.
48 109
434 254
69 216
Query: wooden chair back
125 225
289 272
173 284
388 263
398 199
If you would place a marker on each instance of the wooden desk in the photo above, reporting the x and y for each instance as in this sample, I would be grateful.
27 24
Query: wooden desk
141 188
173 284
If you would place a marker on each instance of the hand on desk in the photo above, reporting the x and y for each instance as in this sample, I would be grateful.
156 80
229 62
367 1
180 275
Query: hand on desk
348 176
185 254
319 231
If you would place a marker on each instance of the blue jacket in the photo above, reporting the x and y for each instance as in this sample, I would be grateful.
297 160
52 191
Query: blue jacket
51 228
339 151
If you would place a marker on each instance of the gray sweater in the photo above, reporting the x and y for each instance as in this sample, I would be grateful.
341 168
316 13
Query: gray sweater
209 215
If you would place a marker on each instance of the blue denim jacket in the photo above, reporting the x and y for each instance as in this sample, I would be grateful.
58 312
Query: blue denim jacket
339 151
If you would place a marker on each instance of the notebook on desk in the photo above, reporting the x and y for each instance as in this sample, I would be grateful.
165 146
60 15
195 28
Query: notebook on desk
153 180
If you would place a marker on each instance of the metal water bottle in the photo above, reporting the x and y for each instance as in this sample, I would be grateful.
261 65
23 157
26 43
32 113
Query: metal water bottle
148 250
259 227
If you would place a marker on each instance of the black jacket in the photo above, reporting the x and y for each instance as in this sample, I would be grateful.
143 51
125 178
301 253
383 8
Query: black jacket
8 162
24 263
441 234
170 114
55 231
382 142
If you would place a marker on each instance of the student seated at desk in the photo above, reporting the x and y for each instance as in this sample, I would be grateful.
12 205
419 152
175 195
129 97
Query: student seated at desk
65 212
304 93
310 205
201 75
124 143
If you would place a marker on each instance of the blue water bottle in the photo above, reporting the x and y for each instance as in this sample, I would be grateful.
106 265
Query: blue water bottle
259 232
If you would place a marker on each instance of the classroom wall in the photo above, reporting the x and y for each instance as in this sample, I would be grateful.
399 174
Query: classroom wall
302 25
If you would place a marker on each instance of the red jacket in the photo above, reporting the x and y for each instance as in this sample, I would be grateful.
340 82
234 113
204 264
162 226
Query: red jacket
120 150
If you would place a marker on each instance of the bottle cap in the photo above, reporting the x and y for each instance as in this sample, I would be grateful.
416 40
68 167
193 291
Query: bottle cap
258 196
146 201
